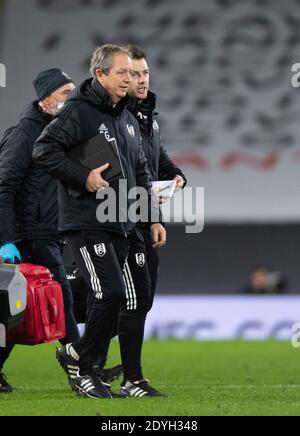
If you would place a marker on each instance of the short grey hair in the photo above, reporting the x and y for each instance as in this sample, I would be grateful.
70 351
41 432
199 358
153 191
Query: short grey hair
102 58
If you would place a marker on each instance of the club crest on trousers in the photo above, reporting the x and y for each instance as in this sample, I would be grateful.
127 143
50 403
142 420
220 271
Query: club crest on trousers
100 250
140 259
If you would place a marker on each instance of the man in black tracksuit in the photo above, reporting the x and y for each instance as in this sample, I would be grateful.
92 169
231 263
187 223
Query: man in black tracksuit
28 197
142 265
100 248
143 107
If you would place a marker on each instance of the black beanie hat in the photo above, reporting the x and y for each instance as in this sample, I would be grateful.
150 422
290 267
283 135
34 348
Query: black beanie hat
49 81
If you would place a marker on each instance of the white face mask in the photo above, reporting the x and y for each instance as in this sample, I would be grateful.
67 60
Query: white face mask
55 106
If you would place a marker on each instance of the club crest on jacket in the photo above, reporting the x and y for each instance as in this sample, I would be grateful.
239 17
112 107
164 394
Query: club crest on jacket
131 131
155 126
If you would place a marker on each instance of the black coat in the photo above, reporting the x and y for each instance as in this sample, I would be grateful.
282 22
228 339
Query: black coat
89 111
160 164
28 195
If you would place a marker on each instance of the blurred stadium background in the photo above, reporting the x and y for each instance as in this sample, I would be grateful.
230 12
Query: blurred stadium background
222 72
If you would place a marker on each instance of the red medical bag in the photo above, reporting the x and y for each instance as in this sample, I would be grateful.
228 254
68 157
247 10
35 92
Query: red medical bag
44 317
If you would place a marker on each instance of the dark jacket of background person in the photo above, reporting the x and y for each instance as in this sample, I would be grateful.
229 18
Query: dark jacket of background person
28 194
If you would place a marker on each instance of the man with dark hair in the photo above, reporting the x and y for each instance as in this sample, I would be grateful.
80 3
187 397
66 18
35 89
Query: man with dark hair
143 107
28 197
100 248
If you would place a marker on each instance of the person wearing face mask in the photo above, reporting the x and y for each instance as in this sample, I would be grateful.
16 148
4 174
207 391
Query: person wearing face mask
28 197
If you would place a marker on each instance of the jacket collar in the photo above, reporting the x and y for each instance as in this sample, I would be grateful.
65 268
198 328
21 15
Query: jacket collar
35 113
146 107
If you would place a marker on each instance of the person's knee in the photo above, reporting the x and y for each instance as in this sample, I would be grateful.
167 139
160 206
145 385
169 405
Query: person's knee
140 305
113 299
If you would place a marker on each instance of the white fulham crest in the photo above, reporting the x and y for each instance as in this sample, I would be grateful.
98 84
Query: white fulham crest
155 126
100 250
140 259
131 131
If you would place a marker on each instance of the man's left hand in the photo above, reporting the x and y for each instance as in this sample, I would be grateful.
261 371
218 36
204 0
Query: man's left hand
159 235
179 183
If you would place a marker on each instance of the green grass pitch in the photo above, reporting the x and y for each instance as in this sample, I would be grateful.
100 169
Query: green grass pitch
214 378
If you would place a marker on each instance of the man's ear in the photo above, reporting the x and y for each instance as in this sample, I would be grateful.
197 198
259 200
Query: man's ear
45 104
99 75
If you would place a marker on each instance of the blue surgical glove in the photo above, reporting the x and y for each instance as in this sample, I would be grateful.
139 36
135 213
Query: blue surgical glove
10 254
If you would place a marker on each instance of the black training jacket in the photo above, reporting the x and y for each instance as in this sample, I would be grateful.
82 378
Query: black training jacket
89 111
160 164
28 195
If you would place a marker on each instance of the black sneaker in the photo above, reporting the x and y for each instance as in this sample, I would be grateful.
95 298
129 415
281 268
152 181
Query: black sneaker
107 385
67 362
91 387
5 387
140 389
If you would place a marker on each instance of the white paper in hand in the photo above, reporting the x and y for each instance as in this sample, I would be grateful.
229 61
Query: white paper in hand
164 188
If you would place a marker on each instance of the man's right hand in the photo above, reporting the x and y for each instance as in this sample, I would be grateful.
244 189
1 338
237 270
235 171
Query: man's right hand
95 181
10 254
